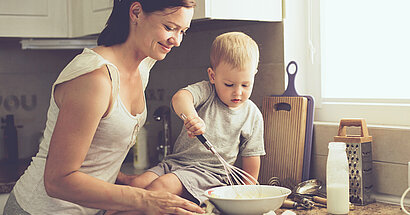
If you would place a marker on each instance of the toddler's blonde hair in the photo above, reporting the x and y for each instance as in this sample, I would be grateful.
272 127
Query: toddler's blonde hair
236 49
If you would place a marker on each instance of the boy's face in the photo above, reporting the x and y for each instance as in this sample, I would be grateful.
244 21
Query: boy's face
233 85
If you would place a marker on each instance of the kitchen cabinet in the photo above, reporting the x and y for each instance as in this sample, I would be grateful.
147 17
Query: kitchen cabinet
77 18
90 16
53 18
256 10
40 18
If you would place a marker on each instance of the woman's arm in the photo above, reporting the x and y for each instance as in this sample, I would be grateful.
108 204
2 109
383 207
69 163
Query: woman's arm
82 103
251 165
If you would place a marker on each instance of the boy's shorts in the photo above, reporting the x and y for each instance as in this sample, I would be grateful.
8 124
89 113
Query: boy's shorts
195 179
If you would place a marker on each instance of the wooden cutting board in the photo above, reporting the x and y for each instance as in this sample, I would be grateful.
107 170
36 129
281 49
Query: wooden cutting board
284 132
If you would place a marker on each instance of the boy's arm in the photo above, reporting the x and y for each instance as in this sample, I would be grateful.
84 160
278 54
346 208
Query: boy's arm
251 165
183 103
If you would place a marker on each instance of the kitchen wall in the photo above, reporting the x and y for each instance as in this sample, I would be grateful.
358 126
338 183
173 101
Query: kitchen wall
390 154
25 80
26 77
188 63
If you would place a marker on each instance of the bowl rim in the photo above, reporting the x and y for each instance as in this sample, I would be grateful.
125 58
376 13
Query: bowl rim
287 190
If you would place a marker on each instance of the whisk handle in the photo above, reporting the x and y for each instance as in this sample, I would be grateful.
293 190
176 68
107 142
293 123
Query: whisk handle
206 143
201 138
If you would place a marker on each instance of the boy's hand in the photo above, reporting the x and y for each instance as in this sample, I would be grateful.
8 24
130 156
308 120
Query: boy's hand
194 125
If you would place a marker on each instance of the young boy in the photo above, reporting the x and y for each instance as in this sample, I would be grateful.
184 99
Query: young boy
221 110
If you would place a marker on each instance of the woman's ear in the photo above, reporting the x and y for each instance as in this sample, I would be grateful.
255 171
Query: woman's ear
135 11
211 75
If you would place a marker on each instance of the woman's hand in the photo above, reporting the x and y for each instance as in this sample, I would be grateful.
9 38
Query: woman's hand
194 125
159 202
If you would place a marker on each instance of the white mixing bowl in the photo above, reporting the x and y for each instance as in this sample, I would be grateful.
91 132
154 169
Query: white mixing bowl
247 199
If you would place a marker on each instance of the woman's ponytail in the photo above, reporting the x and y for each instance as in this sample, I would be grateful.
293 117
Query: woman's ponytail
117 28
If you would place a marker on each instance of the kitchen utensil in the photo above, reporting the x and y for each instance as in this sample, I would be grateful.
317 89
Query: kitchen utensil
288 131
402 200
303 193
310 187
359 154
235 175
227 201
291 91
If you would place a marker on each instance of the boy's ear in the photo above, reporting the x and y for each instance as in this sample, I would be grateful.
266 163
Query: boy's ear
211 75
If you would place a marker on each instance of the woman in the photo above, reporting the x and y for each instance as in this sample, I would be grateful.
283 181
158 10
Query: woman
96 107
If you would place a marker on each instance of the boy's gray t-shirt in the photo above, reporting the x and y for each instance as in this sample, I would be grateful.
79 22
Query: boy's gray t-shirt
232 132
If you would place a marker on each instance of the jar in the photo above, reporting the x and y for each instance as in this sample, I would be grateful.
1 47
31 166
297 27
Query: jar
140 150
337 179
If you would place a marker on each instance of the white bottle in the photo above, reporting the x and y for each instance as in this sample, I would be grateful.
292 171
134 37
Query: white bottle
140 150
337 179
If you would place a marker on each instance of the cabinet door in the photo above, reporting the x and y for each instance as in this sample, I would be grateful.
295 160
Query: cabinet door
257 10
95 15
39 18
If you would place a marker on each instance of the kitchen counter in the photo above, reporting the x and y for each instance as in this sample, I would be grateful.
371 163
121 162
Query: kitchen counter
370 209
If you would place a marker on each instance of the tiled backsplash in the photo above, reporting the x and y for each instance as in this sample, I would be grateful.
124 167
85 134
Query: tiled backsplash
390 152
26 77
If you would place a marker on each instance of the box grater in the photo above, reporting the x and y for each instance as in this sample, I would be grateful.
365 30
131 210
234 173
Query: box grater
359 155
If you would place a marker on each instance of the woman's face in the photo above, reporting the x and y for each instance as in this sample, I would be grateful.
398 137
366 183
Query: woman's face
157 33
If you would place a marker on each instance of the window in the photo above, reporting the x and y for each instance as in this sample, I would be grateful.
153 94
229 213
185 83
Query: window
364 65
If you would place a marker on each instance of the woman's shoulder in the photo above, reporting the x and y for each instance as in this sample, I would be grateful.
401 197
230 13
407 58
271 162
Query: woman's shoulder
87 59
90 88
83 63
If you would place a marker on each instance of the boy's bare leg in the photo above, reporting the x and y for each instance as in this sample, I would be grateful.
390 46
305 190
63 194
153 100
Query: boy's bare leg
169 182
140 181
143 180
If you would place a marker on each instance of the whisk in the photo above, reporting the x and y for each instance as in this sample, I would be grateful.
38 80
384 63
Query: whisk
235 175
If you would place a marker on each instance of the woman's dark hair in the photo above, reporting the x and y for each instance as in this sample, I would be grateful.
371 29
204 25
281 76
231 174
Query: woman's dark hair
117 28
